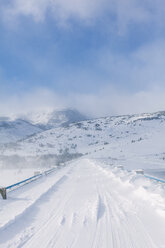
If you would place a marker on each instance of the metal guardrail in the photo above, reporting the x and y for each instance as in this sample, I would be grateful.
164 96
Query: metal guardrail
154 178
3 191
141 172
24 181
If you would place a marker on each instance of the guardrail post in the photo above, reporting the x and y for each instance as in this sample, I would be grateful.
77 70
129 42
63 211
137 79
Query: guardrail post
3 193
140 172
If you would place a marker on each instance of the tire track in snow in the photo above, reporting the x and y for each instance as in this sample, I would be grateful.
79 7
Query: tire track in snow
28 214
91 209
57 218
121 218
24 221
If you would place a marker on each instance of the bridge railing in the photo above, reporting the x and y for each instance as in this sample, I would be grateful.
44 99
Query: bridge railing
3 190
155 178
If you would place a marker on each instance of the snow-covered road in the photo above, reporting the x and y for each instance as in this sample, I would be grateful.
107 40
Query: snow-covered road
83 205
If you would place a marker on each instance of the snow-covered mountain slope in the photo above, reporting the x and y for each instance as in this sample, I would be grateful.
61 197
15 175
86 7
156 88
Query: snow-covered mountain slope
65 117
11 131
91 201
13 128
85 204
53 119
135 141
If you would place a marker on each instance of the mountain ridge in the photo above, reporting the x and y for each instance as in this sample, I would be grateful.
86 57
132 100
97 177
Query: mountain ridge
21 126
132 140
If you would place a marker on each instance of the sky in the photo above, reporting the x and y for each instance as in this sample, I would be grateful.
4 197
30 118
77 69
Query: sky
102 57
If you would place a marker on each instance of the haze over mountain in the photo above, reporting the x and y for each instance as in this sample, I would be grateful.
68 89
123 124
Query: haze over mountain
11 131
93 177
135 141
19 127
87 182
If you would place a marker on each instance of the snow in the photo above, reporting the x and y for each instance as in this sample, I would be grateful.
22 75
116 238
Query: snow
135 141
53 118
12 131
95 200
12 176
15 128
86 203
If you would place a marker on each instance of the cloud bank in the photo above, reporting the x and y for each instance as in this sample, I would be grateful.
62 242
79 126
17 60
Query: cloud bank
141 75
119 13
131 79
106 102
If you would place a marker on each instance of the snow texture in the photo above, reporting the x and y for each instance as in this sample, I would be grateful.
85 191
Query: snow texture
85 204
95 200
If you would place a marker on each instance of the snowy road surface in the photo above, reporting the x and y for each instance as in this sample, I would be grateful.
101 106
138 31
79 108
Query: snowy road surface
83 205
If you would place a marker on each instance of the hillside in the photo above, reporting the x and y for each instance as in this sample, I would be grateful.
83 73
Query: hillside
135 141
14 130
20 127
52 119
91 201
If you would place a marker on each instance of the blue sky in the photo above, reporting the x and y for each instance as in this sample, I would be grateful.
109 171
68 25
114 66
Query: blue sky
104 57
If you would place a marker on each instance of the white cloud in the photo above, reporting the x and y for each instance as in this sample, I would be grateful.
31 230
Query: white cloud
106 102
141 69
111 102
36 100
123 12
62 10
144 69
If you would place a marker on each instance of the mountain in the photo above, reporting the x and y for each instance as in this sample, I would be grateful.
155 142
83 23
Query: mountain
20 127
12 131
94 201
53 119
64 118
134 141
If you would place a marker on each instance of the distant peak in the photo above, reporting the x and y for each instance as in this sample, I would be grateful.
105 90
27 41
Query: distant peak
51 118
